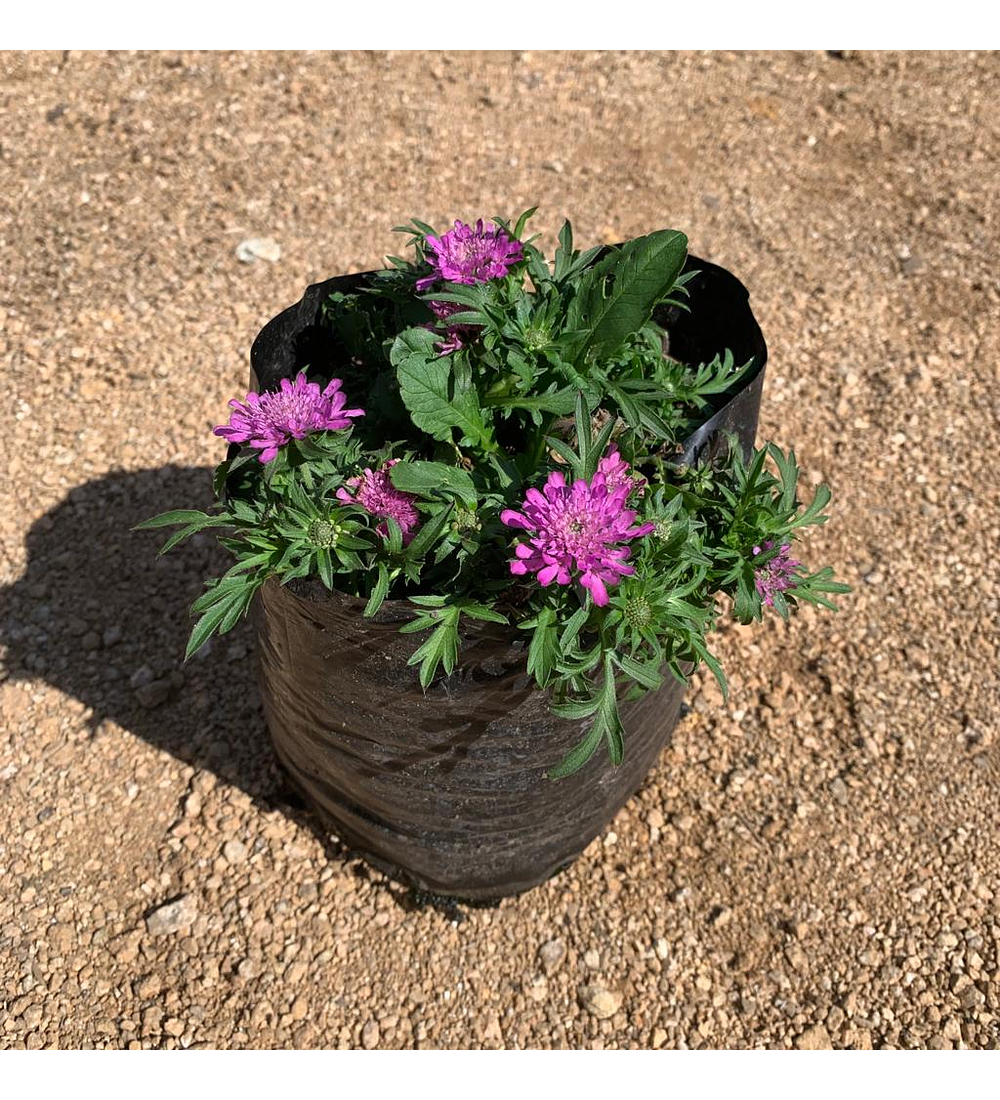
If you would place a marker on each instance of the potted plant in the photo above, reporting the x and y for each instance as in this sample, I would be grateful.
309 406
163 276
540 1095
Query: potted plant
487 509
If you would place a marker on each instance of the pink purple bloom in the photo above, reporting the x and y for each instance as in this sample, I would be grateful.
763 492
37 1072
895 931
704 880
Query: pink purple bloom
269 420
776 575
375 492
578 529
616 473
455 336
470 255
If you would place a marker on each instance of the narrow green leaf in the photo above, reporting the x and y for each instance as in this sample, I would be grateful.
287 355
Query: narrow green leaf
522 221
379 592
542 649
577 708
394 542
428 533
710 660
441 648
206 626
171 519
325 567
573 628
576 758
481 611
644 674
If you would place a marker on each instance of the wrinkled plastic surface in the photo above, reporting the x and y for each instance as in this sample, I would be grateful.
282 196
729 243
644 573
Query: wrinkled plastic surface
446 790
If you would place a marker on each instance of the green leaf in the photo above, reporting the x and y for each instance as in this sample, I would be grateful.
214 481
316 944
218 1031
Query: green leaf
428 533
412 342
238 607
427 479
597 447
218 590
428 601
480 611
555 401
425 385
543 649
441 648
576 758
643 271
565 452
206 626
394 541
564 253
573 628
191 529
584 435
646 674
522 221
813 515
614 734
171 519
608 712
788 473
577 708
379 592
228 467
710 660
324 565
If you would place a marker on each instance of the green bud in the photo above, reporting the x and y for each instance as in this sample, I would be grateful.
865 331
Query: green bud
637 611
324 534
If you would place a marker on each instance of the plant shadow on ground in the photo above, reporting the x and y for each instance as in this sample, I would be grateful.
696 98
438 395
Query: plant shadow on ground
100 617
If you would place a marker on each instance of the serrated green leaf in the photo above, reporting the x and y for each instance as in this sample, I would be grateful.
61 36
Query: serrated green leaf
557 401
643 271
425 385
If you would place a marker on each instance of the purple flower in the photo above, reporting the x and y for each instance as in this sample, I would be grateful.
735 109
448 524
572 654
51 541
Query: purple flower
375 492
616 473
776 575
269 420
578 528
455 336
471 255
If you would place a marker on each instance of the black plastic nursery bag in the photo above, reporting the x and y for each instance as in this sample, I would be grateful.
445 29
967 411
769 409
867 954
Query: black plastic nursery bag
447 790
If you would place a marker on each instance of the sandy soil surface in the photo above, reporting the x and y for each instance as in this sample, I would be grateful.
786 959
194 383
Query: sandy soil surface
813 864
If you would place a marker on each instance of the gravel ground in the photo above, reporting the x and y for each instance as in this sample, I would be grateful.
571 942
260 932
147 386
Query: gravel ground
813 864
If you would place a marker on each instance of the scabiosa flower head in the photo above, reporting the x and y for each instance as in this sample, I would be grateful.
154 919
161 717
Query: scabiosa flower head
470 255
776 575
616 473
269 420
576 529
375 492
